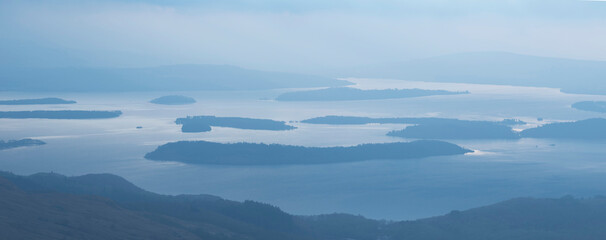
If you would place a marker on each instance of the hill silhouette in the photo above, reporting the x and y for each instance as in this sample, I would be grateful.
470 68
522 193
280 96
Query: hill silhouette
163 78
105 206
115 201
571 76
54 215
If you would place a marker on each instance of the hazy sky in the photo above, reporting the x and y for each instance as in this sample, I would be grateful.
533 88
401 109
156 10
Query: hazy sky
299 36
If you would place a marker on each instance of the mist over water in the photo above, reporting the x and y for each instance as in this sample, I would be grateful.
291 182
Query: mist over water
303 119
385 189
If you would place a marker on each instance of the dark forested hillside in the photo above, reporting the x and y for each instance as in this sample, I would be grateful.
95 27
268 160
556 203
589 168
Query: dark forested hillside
519 219
104 206
203 216
54 215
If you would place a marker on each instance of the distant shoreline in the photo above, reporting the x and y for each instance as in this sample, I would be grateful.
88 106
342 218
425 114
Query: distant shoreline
354 94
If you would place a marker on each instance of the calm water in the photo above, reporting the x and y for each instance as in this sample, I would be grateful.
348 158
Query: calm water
386 189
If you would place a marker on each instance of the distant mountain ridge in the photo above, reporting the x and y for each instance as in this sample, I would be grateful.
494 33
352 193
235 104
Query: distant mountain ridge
56 215
163 78
105 206
501 68
204 216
